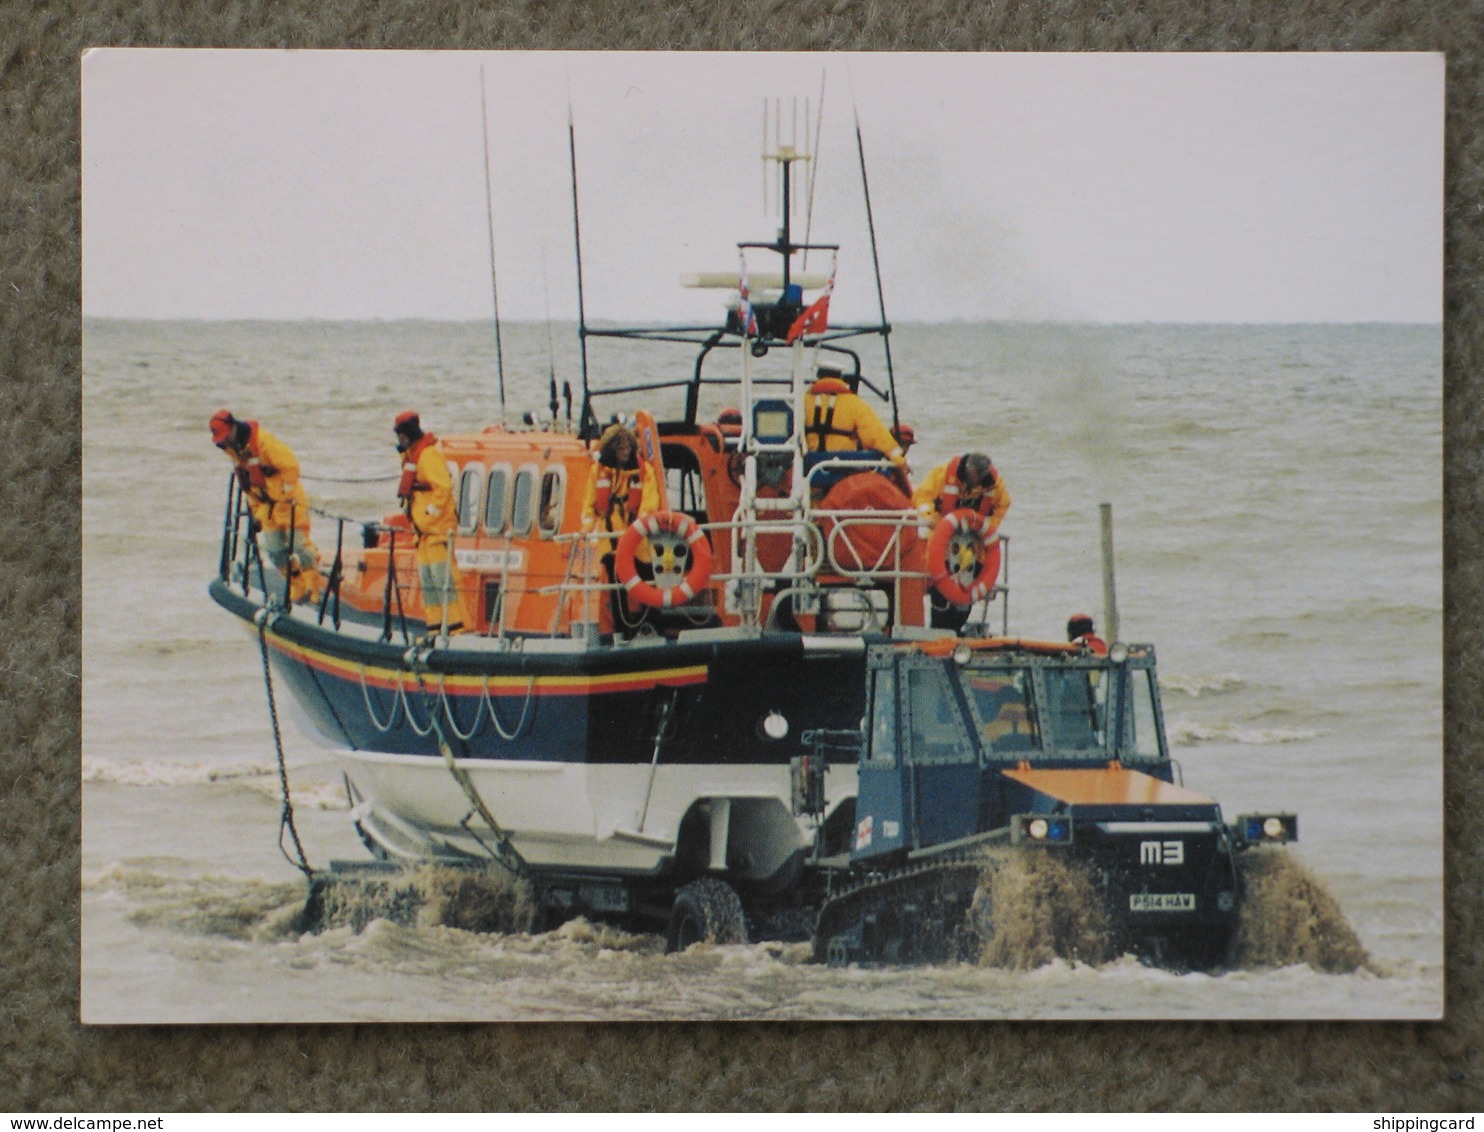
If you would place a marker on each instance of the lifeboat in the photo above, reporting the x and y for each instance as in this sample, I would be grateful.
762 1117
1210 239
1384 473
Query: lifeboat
584 720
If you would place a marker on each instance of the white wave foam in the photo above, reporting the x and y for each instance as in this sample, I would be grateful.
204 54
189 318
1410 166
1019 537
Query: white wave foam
1199 684
172 773
260 778
1187 733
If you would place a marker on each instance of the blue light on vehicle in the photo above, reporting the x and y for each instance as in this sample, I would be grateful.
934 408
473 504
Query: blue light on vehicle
1273 829
1041 829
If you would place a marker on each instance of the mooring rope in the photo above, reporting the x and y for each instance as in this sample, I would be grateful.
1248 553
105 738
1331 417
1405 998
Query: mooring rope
420 732
286 815
525 711
453 723
371 712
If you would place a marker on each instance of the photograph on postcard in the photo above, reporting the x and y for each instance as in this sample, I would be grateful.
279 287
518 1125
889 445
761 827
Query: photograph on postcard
628 536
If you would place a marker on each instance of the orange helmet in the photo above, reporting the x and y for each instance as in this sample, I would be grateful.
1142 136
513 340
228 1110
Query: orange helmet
222 424
406 422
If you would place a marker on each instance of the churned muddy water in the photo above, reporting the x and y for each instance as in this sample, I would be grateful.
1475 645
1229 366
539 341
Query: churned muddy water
1277 500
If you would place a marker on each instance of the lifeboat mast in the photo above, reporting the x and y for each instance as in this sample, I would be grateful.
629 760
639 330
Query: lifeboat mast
772 440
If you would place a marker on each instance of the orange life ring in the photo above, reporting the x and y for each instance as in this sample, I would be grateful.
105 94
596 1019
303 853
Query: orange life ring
944 579
625 563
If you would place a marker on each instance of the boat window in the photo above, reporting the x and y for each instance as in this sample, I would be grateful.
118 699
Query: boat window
1003 710
497 499
937 727
1140 724
553 494
1075 707
471 481
523 505
884 718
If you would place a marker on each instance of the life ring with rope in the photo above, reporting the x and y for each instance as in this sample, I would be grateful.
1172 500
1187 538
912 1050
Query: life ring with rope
976 539
685 530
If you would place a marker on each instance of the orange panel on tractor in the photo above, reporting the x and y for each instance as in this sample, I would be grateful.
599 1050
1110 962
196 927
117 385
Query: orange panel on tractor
1106 785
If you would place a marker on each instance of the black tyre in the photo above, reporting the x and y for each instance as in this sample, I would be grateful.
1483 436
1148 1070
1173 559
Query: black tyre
706 910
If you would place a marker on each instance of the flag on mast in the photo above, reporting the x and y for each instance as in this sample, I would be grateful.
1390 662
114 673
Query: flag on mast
816 316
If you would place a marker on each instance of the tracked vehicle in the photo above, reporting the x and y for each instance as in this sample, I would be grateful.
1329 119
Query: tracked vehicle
1027 747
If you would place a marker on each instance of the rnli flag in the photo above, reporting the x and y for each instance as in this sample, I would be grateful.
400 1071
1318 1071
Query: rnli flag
814 320
816 316
746 316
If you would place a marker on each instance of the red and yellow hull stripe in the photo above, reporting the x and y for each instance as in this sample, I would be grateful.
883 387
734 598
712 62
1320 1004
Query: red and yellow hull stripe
392 679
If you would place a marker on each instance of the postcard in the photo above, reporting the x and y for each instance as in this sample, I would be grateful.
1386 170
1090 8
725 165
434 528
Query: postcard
620 536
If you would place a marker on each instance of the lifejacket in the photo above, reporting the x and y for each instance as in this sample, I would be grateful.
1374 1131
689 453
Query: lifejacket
612 491
1093 643
822 422
251 474
409 483
949 500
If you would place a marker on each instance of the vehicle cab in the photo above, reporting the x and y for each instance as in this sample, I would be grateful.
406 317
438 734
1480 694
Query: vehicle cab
950 735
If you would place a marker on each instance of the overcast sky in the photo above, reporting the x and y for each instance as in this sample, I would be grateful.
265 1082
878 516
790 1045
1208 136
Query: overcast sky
1109 188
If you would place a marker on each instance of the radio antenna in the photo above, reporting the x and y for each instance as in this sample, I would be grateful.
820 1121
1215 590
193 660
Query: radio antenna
860 148
581 310
551 347
813 163
489 216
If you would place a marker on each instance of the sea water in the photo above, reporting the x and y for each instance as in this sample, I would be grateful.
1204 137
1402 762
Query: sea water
1277 501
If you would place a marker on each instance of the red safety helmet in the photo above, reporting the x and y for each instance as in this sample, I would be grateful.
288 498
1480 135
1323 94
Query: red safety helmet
223 424
404 420
729 420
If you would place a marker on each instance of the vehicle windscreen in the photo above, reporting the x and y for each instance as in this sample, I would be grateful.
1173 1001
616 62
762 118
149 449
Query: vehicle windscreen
1002 704
1076 708
1140 738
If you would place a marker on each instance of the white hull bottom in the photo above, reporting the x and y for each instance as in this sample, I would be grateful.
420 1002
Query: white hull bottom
610 818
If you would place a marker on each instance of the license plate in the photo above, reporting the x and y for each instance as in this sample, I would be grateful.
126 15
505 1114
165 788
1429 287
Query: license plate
1161 902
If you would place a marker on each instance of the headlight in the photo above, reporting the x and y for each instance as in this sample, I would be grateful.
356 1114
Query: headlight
1041 829
1267 829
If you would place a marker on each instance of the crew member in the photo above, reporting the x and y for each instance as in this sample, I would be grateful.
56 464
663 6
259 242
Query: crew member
970 482
269 475
838 421
426 493
620 489
1080 632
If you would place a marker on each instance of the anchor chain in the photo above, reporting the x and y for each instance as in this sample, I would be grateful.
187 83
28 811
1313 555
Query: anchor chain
286 815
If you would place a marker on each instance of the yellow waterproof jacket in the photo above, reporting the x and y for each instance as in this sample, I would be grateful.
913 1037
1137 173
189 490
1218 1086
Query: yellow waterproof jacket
430 505
837 420
930 502
628 492
269 472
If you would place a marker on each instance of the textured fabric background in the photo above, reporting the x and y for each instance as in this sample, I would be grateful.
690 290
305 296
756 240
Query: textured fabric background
49 1062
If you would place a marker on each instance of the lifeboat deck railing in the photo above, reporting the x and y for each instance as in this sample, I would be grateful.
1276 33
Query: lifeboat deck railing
821 557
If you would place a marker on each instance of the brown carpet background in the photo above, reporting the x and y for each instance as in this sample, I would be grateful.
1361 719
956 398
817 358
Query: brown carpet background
50 1063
